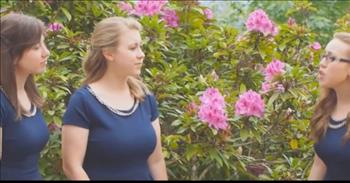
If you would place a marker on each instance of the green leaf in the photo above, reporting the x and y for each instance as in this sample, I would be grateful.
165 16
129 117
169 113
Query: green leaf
272 99
244 134
66 13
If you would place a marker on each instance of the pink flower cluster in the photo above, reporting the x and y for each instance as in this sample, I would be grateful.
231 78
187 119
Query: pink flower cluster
55 27
273 69
212 109
250 103
259 21
151 8
208 13
170 17
125 6
266 86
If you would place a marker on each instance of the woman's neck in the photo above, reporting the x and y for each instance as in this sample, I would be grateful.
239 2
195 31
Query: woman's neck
111 82
343 100
21 79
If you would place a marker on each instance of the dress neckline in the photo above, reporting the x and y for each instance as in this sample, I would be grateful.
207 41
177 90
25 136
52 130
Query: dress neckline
336 124
112 109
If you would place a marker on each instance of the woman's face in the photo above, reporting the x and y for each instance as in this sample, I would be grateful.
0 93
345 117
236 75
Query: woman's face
34 59
334 69
128 56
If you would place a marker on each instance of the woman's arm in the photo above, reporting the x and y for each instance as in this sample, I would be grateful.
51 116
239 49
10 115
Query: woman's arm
74 142
156 161
318 169
0 142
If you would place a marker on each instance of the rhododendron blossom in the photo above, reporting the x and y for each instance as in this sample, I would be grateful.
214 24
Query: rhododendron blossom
212 109
208 13
149 7
273 69
259 21
250 103
55 27
170 17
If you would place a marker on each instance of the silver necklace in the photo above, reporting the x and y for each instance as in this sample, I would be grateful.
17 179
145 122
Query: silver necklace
116 111
25 114
336 126
31 114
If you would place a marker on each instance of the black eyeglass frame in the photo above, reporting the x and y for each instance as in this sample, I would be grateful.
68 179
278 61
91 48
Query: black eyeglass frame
329 56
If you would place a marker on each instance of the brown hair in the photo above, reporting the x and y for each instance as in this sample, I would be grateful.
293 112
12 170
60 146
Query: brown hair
106 35
19 32
326 105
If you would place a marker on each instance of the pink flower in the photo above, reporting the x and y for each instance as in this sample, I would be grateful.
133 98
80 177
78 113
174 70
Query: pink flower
208 13
250 103
280 88
125 6
149 7
212 109
53 127
55 27
273 69
265 87
316 46
259 21
170 17
291 21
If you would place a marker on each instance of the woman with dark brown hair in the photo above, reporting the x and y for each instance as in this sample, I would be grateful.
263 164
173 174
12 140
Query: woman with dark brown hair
330 124
25 133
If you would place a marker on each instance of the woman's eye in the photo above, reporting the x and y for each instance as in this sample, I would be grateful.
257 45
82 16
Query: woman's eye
36 46
332 59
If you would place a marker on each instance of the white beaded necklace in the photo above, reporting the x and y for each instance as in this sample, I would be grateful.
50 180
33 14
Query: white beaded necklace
116 111
31 114
339 125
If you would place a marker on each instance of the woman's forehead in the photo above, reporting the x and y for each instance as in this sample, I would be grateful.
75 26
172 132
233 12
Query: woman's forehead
338 47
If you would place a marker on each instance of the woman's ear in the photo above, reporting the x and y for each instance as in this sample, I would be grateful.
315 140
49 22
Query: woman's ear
107 54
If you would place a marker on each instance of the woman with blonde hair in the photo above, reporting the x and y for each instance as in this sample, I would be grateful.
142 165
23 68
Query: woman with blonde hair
111 129
23 130
330 124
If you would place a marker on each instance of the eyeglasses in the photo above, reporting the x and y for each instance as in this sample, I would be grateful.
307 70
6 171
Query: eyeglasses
332 58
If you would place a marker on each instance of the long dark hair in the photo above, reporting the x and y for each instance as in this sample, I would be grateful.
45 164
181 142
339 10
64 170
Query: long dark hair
19 32
326 105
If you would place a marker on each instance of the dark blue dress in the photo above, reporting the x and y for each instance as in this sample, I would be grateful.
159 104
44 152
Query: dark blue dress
22 142
335 154
118 146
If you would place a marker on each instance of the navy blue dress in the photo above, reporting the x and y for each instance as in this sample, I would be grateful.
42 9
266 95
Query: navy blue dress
335 154
22 142
118 146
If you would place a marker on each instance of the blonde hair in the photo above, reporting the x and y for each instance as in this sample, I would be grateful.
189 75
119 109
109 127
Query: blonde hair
326 105
343 36
106 35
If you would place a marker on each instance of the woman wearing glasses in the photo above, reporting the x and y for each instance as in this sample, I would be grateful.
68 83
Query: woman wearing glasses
330 124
